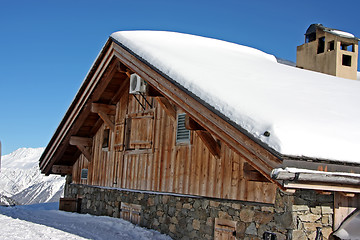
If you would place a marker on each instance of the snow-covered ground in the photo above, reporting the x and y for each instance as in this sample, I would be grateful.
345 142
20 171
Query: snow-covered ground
44 221
21 180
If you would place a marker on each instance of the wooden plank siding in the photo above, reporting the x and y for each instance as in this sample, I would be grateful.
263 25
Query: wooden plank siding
159 164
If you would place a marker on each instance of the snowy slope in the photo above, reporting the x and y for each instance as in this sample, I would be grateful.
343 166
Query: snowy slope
21 180
44 221
306 113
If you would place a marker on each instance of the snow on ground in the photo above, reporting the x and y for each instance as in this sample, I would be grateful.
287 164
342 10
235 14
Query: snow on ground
44 221
307 113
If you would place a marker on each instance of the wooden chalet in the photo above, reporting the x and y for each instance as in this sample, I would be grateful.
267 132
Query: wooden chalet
160 156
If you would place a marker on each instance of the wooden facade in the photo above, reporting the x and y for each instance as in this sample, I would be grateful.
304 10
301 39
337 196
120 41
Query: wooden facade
144 155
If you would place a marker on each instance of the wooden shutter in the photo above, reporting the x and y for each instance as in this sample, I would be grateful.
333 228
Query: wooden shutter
141 130
119 136
224 229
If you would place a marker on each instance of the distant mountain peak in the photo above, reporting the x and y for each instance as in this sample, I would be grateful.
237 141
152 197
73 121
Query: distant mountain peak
21 180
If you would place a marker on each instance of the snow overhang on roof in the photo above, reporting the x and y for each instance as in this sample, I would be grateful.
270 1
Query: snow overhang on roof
306 113
312 28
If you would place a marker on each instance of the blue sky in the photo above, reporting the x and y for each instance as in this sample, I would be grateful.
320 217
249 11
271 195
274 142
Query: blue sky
47 47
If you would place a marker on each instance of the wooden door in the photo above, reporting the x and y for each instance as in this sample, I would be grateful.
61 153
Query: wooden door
224 229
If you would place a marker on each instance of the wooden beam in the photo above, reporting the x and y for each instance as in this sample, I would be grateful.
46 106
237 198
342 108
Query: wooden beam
190 124
121 67
61 169
346 194
75 140
213 146
251 174
323 187
107 120
152 92
83 144
104 110
168 107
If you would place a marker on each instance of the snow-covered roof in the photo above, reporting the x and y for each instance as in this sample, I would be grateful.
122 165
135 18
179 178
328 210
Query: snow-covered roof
307 113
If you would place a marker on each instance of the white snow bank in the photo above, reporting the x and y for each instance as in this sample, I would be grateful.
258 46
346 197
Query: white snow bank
276 171
43 221
341 33
307 113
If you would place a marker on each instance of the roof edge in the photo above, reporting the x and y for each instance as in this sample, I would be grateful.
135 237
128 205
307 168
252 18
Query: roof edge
44 158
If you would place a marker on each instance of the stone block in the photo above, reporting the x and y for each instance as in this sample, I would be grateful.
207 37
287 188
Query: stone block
300 208
326 210
267 209
196 224
246 215
299 235
174 220
172 228
263 218
205 204
251 229
210 221
197 204
224 215
325 220
309 217
311 226
187 206
315 210
214 204
326 231
165 199
150 202
286 220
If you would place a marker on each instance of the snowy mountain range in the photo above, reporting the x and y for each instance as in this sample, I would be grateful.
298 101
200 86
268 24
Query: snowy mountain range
21 181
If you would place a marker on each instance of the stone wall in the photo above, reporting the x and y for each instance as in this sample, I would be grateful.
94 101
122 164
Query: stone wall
293 216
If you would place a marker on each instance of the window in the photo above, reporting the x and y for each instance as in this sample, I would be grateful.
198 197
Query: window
182 134
84 173
346 60
105 143
347 47
310 38
321 45
331 46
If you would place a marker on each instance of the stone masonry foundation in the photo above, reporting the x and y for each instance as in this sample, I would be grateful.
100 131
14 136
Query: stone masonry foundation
293 216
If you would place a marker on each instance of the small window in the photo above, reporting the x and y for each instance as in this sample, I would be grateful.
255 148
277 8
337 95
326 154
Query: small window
331 46
347 47
182 134
321 45
346 60
84 173
310 38
105 143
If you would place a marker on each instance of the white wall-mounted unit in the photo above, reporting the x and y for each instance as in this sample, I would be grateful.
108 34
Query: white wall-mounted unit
137 84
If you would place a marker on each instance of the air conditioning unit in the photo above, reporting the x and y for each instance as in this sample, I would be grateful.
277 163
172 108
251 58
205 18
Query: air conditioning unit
137 84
